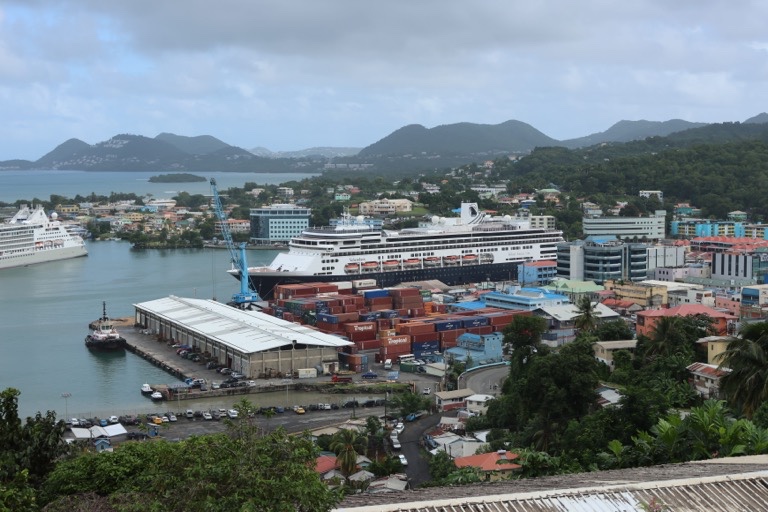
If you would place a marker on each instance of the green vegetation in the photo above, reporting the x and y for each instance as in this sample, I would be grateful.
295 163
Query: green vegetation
181 177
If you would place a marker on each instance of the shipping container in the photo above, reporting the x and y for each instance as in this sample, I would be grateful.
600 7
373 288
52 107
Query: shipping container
305 373
474 321
360 327
363 283
401 339
373 294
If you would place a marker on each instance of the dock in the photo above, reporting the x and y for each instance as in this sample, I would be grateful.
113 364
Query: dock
161 354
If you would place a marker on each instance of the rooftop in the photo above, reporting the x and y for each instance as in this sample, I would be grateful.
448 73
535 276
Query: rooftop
718 485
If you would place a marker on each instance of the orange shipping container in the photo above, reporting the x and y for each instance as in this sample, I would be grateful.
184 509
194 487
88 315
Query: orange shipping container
368 327
400 340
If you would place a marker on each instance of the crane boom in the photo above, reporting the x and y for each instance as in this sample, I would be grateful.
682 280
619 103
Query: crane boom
238 259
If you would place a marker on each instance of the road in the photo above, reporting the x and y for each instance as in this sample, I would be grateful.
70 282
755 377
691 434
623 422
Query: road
483 381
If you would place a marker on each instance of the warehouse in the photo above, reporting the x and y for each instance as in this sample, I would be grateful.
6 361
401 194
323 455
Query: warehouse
249 342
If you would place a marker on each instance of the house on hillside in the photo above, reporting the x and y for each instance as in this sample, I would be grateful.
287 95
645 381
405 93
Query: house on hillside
493 466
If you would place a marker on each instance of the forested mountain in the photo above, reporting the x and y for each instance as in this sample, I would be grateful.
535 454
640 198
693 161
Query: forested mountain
719 168
460 138
625 131
200 145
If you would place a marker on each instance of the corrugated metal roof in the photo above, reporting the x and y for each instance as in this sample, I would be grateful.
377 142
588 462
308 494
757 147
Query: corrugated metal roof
722 493
245 331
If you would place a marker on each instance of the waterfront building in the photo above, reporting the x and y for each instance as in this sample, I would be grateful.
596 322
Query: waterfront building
278 223
250 342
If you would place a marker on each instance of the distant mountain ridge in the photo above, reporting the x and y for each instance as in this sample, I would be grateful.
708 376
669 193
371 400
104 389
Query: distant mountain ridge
412 147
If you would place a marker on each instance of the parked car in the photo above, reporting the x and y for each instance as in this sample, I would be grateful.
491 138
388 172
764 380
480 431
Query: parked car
426 391
237 375
172 417
207 415
399 428
370 375
395 443
403 460
299 410
232 413
189 414
224 371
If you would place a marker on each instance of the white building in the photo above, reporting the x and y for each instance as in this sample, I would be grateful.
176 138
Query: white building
385 206
278 223
648 193
652 227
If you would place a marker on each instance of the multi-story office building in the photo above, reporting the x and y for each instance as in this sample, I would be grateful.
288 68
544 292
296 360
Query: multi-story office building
603 258
652 227
278 223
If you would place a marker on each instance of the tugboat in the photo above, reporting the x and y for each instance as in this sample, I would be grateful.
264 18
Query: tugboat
104 335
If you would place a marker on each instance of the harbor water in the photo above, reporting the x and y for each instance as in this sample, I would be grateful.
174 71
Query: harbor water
45 310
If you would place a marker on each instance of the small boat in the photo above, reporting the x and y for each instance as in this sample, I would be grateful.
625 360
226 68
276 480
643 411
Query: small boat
156 395
104 335
146 389
370 266
469 259
352 268
431 261
450 260
411 262
391 265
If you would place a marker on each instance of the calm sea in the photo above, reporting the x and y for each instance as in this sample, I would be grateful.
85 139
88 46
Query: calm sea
29 185
45 310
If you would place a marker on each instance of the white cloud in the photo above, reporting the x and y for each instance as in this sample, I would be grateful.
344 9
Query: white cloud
278 74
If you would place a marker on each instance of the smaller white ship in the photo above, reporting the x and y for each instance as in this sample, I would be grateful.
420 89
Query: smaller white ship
32 237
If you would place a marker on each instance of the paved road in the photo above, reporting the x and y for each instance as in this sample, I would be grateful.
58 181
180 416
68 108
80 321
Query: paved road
418 463
483 381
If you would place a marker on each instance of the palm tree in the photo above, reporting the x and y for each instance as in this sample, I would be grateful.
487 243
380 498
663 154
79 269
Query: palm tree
746 385
586 320
665 337
346 445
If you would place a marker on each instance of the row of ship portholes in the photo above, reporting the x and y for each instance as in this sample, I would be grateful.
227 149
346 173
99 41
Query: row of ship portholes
417 263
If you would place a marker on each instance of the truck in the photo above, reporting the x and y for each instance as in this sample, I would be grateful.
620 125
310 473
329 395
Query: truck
339 378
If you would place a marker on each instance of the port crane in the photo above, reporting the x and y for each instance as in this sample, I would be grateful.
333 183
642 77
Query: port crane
246 296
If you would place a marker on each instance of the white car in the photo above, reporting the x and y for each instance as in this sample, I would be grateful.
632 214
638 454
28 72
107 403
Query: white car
113 420
74 422
403 460
189 414
207 415
426 391
232 414
172 417
399 428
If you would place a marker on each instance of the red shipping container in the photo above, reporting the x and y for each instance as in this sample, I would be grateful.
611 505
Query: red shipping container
421 338
404 292
378 301
415 328
452 335
349 349
368 327
361 336
288 316
414 313
448 344
397 341
328 327
368 345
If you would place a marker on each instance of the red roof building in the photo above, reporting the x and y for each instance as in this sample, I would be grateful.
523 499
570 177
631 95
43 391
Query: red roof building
494 465
722 321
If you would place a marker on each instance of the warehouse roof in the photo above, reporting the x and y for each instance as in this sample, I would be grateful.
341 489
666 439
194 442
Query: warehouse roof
245 331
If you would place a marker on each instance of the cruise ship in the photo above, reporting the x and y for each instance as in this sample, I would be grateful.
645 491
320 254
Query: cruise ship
32 237
470 248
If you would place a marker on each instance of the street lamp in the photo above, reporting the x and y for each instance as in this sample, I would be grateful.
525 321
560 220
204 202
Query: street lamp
66 396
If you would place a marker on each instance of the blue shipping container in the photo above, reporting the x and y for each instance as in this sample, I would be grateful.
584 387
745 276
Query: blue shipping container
329 319
447 325
475 321
425 346
375 294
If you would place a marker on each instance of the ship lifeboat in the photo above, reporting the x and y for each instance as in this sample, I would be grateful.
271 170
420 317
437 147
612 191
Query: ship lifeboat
431 261
352 268
486 257
370 266
450 260
411 262
469 259
391 265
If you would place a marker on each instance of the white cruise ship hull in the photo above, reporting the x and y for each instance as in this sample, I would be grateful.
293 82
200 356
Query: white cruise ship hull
30 237
43 256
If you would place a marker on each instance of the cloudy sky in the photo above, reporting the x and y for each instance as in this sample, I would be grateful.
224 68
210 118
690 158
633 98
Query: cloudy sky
292 74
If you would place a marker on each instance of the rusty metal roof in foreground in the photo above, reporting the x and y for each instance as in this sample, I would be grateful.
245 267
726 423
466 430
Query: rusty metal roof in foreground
716 488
